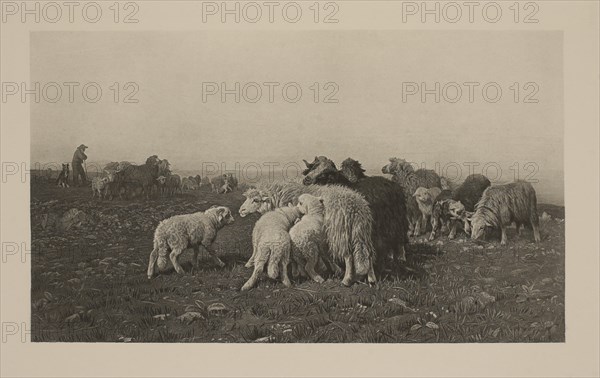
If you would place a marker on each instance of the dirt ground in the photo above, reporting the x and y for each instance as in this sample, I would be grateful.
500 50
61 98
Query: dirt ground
89 283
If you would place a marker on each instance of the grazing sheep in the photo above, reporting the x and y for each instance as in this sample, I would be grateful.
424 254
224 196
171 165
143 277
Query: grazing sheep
404 174
425 198
271 243
348 221
385 198
471 190
180 232
501 205
308 235
198 180
446 212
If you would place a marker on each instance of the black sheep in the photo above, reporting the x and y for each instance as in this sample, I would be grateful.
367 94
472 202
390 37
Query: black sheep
386 202
471 190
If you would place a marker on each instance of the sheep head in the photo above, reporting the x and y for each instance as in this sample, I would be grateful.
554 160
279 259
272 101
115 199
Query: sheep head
256 202
319 165
352 170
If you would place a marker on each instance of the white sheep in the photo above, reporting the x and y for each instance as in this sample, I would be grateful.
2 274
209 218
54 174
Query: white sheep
271 243
308 237
180 232
348 222
425 198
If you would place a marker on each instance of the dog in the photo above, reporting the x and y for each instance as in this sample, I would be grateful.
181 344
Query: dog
63 178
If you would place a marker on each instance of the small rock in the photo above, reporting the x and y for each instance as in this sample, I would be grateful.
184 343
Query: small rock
432 325
217 309
266 339
72 318
190 317
484 298
401 303
161 316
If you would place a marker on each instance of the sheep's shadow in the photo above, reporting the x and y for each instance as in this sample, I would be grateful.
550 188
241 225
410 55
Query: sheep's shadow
416 256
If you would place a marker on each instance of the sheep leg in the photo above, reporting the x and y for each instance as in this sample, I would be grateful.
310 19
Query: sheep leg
371 274
335 268
174 256
258 268
453 225
348 278
311 262
214 256
503 239
195 258
434 226
401 253
152 262
536 231
285 279
250 262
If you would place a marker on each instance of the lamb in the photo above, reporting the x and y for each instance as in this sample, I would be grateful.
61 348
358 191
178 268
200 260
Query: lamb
501 205
385 198
99 184
348 221
447 211
425 198
271 243
180 232
404 174
162 185
308 235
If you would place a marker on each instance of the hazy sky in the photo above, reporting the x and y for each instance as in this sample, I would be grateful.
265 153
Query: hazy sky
370 123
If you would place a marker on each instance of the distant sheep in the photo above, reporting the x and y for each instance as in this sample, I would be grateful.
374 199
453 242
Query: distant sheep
217 183
425 199
385 198
308 235
174 235
188 183
271 245
173 184
502 205
143 176
348 221
404 174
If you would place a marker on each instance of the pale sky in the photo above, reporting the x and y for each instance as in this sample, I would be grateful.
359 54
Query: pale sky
370 123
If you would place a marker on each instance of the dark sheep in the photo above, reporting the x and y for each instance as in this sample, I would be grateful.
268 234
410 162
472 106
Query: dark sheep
404 174
501 205
470 191
386 202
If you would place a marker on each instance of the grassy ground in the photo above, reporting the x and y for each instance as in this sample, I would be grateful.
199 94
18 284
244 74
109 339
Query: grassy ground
89 284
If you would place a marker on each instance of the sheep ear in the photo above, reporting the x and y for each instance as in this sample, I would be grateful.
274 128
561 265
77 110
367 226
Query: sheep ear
321 200
307 163
265 199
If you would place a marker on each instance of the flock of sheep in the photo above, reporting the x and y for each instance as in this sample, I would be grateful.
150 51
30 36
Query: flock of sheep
124 179
343 216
